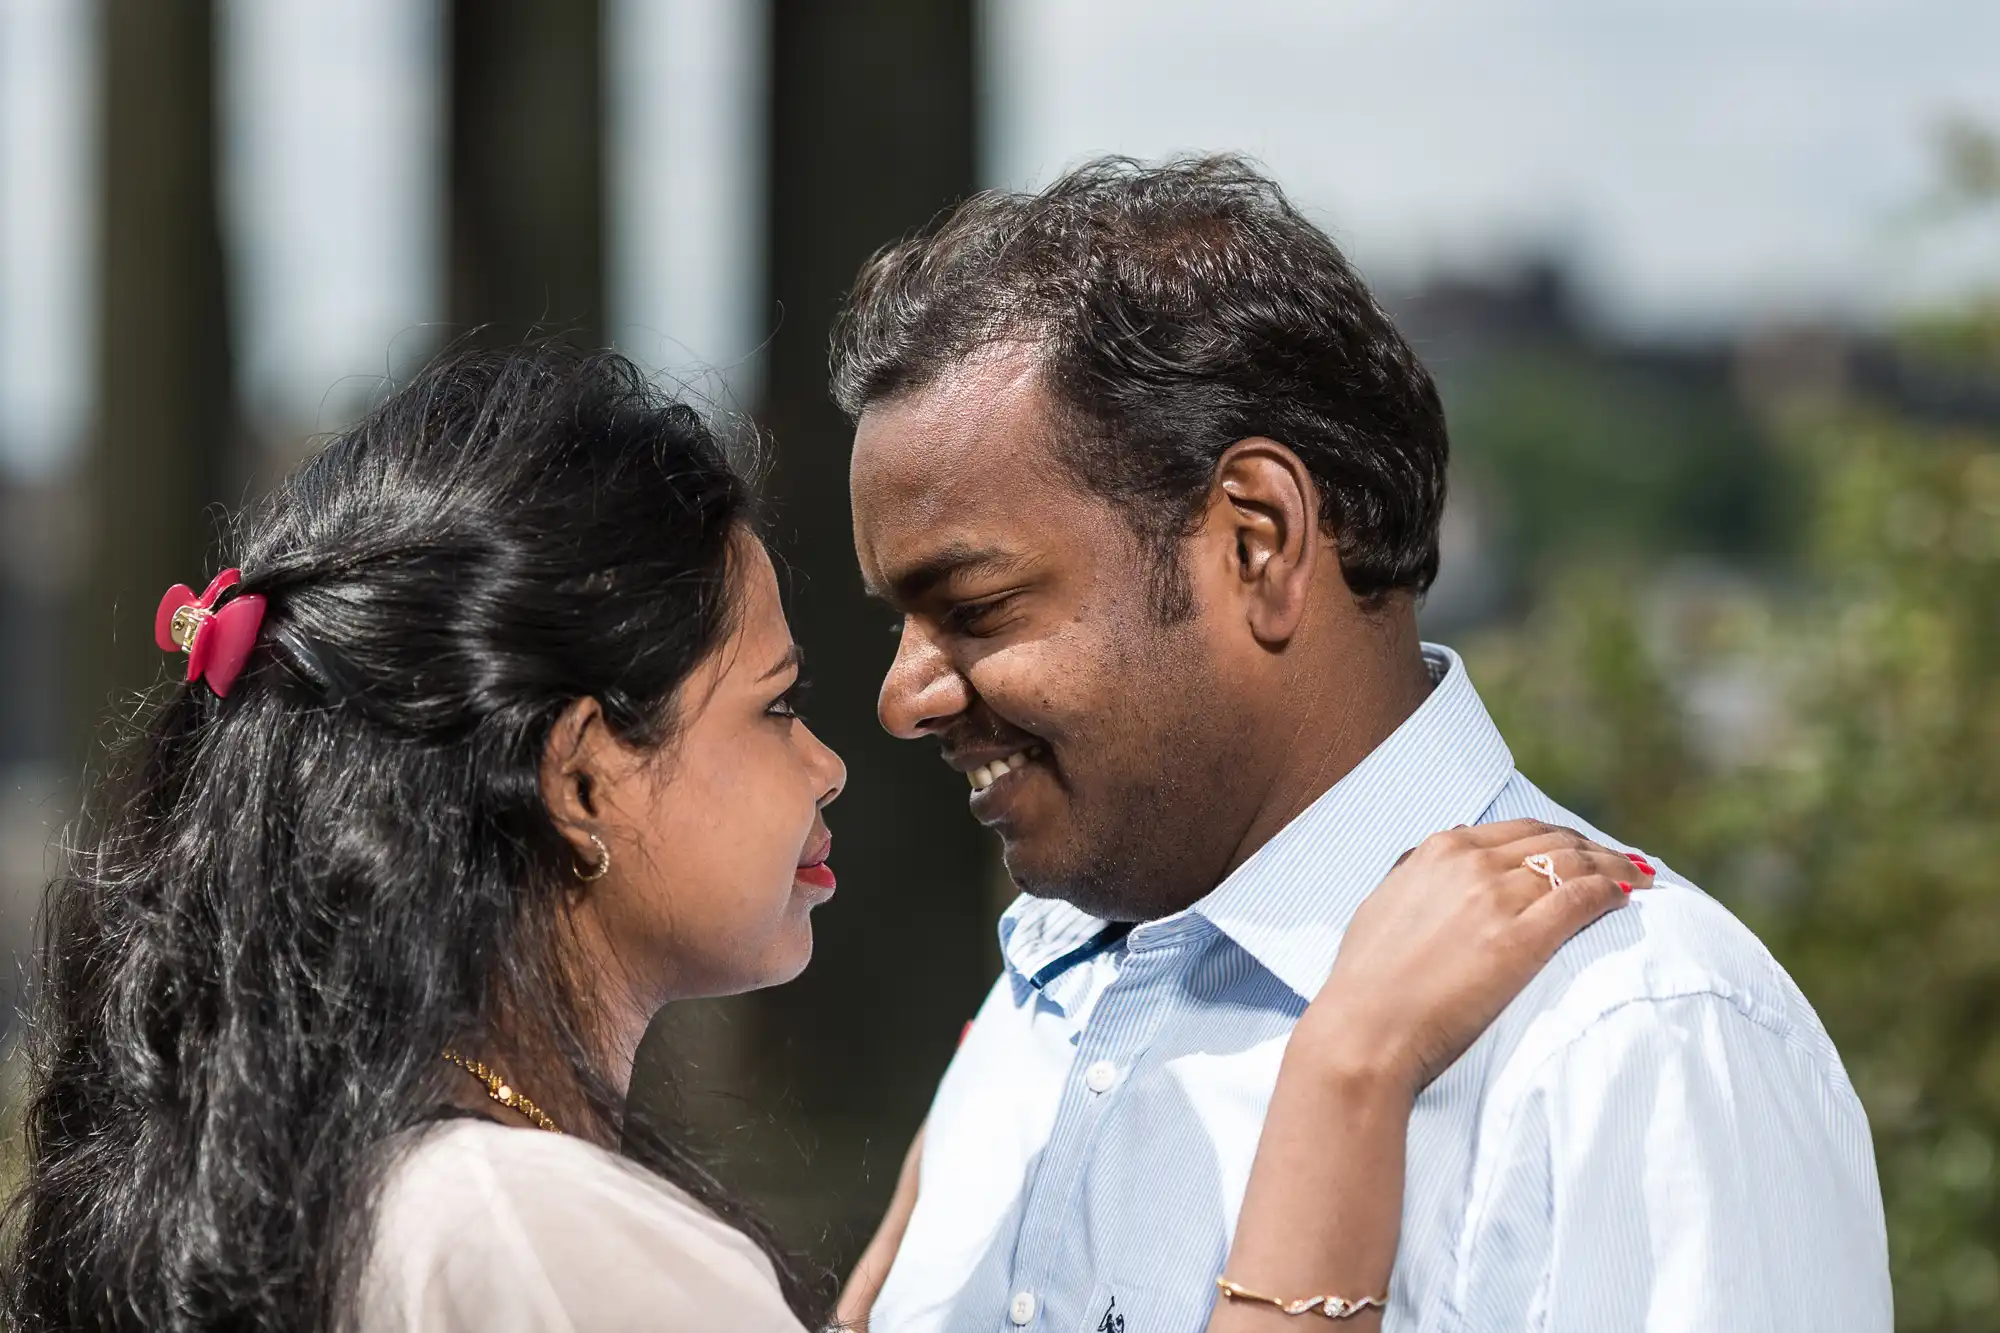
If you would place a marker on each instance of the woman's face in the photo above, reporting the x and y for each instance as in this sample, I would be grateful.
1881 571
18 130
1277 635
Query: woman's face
718 849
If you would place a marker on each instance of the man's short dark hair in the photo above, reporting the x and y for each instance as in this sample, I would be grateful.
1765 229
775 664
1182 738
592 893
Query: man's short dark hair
1173 310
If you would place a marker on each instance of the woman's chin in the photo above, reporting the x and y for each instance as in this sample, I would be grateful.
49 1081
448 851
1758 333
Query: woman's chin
781 960
792 959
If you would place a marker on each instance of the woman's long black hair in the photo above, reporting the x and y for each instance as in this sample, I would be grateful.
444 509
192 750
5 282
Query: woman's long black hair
290 901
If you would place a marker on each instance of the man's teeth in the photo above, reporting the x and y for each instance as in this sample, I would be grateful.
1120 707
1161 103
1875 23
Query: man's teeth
987 774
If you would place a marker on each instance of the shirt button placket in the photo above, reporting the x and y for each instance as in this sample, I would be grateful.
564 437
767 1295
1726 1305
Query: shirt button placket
1125 1013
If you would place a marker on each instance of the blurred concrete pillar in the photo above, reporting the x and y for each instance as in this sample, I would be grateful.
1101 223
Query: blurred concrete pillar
160 455
872 133
526 176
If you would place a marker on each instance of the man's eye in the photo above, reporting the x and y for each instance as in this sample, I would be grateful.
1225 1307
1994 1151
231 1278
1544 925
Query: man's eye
974 617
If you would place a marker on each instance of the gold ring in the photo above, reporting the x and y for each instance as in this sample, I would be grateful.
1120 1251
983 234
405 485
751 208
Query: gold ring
1544 865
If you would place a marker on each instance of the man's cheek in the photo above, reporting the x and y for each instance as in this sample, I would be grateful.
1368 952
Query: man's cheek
1023 696
1077 698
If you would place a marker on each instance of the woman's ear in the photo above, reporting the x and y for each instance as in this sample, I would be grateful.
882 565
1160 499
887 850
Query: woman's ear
575 773
1267 507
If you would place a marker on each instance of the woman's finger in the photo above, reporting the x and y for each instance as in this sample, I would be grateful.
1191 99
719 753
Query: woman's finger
1565 844
1501 833
1559 840
1590 859
1561 913
1516 884
1550 838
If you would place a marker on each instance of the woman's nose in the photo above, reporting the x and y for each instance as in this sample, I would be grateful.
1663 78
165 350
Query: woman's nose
830 770
922 690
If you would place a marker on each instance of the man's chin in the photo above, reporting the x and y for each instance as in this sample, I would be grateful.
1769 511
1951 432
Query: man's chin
1084 884
1033 870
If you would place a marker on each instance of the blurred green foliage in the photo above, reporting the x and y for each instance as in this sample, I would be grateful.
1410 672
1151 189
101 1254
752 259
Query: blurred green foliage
1581 452
1822 751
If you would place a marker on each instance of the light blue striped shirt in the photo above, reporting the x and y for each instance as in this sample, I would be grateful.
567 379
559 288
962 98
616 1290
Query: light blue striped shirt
1656 1135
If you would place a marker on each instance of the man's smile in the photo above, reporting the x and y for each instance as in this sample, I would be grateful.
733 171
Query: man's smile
985 775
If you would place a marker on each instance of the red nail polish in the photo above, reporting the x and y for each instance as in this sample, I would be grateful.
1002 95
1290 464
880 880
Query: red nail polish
1640 862
1623 885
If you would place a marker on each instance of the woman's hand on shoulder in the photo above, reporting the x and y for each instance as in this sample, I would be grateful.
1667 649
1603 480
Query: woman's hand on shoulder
1449 938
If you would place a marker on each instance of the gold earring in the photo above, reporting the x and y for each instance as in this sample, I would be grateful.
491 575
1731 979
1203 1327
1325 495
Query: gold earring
603 861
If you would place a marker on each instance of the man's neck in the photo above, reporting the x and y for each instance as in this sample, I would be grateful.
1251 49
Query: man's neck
1349 699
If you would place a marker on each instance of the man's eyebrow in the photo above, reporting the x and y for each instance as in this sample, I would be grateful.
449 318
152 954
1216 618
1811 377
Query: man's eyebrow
794 656
947 562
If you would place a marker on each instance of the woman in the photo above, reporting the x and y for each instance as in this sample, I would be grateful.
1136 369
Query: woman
489 753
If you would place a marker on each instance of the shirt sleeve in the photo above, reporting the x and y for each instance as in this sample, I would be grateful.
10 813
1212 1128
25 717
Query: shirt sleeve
1679 1167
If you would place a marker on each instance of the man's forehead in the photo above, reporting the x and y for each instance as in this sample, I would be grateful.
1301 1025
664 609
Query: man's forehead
920 567
975 419
954 478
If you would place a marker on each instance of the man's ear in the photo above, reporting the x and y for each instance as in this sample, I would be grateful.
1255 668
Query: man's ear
576 771
1265 504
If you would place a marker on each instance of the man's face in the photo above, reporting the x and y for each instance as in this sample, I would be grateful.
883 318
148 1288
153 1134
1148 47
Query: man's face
1101 745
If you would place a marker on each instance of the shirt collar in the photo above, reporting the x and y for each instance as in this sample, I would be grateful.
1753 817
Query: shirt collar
1289 904
1042 940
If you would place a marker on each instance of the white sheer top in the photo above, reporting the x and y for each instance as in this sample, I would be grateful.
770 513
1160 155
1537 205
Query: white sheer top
481 1228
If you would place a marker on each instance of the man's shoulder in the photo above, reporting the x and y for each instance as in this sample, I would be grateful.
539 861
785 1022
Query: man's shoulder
1669 997
1669 943
1669 946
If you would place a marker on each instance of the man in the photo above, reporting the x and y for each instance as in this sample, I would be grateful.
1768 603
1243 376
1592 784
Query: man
1156 486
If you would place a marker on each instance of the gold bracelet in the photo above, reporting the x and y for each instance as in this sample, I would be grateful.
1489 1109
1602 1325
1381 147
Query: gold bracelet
1333 1307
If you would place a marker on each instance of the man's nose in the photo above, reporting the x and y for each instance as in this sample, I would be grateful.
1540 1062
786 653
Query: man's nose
923 690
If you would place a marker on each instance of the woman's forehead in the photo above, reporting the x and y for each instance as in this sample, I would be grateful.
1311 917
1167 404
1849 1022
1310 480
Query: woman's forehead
762 634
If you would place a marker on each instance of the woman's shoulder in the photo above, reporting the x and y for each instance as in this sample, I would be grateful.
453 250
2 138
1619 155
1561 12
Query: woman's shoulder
481 1225
461 1164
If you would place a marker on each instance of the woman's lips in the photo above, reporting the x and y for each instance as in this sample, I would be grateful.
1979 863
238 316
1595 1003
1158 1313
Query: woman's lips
814 871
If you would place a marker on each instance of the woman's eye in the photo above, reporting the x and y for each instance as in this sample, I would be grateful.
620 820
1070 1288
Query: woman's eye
786 705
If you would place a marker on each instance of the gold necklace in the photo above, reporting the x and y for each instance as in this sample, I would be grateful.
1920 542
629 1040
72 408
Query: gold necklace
498 1089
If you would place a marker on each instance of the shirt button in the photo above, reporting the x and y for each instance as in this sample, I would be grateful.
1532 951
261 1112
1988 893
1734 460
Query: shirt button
1100 1076
1022 1309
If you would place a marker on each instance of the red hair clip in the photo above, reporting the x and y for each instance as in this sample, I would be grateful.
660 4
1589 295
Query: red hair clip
217 643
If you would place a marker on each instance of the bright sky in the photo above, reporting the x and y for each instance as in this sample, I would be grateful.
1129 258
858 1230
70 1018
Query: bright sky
1703 162
45 180
331 147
